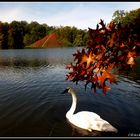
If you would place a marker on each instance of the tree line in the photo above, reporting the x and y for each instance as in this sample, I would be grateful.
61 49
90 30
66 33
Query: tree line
19 34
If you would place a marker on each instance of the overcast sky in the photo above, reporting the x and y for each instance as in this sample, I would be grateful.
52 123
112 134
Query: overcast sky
79 14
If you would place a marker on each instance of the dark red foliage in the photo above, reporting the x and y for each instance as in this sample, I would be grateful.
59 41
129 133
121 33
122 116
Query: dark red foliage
108 47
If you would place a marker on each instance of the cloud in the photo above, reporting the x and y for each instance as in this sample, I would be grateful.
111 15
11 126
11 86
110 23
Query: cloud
131 6
81 15
87 15
10 15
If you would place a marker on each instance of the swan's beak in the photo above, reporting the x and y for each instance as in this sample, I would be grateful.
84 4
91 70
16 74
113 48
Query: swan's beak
65 91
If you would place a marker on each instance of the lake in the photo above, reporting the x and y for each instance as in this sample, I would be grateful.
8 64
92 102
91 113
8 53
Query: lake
31 103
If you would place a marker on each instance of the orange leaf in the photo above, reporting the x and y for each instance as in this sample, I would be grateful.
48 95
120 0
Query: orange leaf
105 89
87 59
131 61
106 75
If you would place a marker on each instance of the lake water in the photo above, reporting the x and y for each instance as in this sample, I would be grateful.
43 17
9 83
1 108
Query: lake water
31 103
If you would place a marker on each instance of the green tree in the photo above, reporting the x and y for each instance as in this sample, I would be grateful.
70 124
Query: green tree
35 31
10 38
1 35
16 34
5 32
78 40
4 35
118 16
85 39
130 19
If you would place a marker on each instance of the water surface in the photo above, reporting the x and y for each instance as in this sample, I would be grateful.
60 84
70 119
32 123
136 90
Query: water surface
31 103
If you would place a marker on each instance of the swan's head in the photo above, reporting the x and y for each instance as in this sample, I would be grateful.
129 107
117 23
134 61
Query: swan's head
67 90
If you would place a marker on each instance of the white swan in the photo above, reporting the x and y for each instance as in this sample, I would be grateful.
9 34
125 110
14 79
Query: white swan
85 119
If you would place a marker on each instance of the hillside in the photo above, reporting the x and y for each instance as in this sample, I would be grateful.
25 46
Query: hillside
51 40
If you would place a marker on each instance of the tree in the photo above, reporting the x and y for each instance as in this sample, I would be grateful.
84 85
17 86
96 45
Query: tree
5 32
131 19
1 35
16 34
85 37
71 36
27 39
10 38
35 31
118 16
78 40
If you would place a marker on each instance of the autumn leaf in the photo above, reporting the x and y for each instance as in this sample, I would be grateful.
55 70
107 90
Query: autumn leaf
102 79
130 57
111 42
122 45
88 60
77 55
106 76
131 61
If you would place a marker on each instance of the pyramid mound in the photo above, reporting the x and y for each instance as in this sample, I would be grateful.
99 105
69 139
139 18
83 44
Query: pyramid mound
51 40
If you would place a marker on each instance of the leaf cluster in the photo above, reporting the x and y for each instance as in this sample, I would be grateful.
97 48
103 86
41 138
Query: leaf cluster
109 47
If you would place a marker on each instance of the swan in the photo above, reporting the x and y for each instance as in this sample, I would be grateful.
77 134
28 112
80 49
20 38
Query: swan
85 119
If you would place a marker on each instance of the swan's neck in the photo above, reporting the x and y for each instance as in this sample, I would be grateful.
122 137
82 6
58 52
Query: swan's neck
73 106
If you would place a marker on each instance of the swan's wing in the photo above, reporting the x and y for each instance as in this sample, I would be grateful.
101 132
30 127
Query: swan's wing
88 114
80 119
85 119
93 121
90 121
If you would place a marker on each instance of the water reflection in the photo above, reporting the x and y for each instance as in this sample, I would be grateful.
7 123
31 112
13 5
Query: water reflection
133 74
76 131
36 58
24 63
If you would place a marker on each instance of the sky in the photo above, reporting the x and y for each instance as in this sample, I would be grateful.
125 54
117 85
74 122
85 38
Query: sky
78 14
